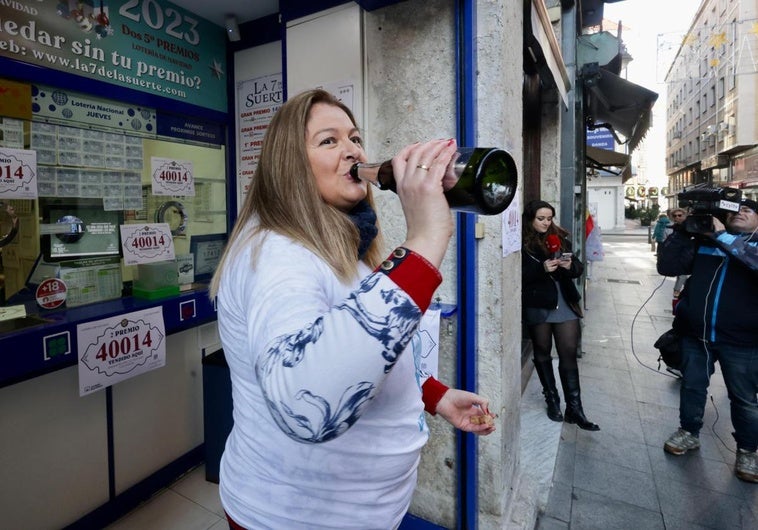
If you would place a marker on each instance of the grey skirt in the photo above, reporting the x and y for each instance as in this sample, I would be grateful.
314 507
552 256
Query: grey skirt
562 313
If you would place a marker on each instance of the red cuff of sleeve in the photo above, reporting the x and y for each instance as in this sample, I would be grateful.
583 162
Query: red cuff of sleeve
431 393
413 274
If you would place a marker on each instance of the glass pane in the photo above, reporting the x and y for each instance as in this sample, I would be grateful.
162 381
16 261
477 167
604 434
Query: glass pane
91 181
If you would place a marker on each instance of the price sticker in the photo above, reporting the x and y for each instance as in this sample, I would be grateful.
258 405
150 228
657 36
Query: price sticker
146 243
172 177
18 174
118 348
51 293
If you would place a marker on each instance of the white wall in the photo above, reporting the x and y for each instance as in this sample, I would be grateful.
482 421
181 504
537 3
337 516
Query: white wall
607 193
325 50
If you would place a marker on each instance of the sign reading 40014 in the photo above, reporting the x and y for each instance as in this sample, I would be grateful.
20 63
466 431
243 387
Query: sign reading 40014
149 241
173 176
9 172
18 173
128 346
146 243
119 347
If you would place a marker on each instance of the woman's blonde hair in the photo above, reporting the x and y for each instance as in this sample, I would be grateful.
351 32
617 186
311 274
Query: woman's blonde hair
283 197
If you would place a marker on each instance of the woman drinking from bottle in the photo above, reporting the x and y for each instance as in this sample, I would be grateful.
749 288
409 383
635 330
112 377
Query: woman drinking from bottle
551 311
316 320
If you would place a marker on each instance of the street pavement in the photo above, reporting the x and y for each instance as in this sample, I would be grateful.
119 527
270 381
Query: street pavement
620 477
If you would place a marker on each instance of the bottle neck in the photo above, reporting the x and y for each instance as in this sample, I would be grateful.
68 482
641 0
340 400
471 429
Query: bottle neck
377 173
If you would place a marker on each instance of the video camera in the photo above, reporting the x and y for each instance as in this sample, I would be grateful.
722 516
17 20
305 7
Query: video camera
704 203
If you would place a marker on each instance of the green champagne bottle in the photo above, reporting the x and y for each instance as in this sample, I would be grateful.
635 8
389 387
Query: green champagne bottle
485 179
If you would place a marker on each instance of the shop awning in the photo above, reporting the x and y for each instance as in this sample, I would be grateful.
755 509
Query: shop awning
603 159
543 46
619 103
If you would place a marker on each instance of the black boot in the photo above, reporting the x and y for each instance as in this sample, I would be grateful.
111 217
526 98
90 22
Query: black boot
547 378
572 393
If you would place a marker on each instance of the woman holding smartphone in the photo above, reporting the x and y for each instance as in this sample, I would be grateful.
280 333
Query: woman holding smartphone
551 310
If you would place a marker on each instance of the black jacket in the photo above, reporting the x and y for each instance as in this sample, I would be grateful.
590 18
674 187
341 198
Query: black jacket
537 286
720 300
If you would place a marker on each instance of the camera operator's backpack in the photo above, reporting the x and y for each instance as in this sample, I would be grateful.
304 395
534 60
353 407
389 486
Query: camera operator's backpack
668 345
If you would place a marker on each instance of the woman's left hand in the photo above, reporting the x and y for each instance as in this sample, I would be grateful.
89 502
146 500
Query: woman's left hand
565 263
466 411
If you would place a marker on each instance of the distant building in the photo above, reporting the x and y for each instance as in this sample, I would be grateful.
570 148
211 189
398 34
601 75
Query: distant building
712 105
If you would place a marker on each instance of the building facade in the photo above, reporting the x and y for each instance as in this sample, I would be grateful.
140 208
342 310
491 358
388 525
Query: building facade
712 103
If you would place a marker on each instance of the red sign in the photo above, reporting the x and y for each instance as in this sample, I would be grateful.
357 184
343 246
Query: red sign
51 293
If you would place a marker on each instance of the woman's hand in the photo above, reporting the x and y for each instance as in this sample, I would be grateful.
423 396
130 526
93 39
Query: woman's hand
466 411
419 171
565 263
550 265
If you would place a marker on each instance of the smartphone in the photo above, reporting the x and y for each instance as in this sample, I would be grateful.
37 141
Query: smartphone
566 256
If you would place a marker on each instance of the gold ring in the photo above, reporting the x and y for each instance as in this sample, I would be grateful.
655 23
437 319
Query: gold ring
422 166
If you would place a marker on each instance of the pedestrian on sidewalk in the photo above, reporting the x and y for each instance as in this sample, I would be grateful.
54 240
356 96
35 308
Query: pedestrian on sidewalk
717 319
551 310
677 216
659 230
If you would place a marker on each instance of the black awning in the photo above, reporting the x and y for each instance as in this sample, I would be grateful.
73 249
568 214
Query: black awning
619 103
604 159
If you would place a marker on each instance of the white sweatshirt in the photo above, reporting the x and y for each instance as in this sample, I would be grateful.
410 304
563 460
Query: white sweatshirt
328 418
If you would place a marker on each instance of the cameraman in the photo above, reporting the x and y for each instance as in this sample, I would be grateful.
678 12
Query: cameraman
717 320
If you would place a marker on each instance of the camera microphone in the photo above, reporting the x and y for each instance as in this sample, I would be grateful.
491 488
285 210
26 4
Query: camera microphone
553 243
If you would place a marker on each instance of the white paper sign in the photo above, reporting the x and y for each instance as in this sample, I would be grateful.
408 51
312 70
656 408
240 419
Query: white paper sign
146 243
118 348
12 311
511 229
185 266
172 177
426 342
343 91
257 101
18 174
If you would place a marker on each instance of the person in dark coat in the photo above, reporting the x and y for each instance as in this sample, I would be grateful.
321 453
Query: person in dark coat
551 311
677 216
717 320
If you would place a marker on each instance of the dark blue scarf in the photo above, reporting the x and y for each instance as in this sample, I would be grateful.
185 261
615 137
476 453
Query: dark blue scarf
364 218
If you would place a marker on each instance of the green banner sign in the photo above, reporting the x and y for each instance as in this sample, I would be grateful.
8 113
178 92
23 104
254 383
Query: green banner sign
148 45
